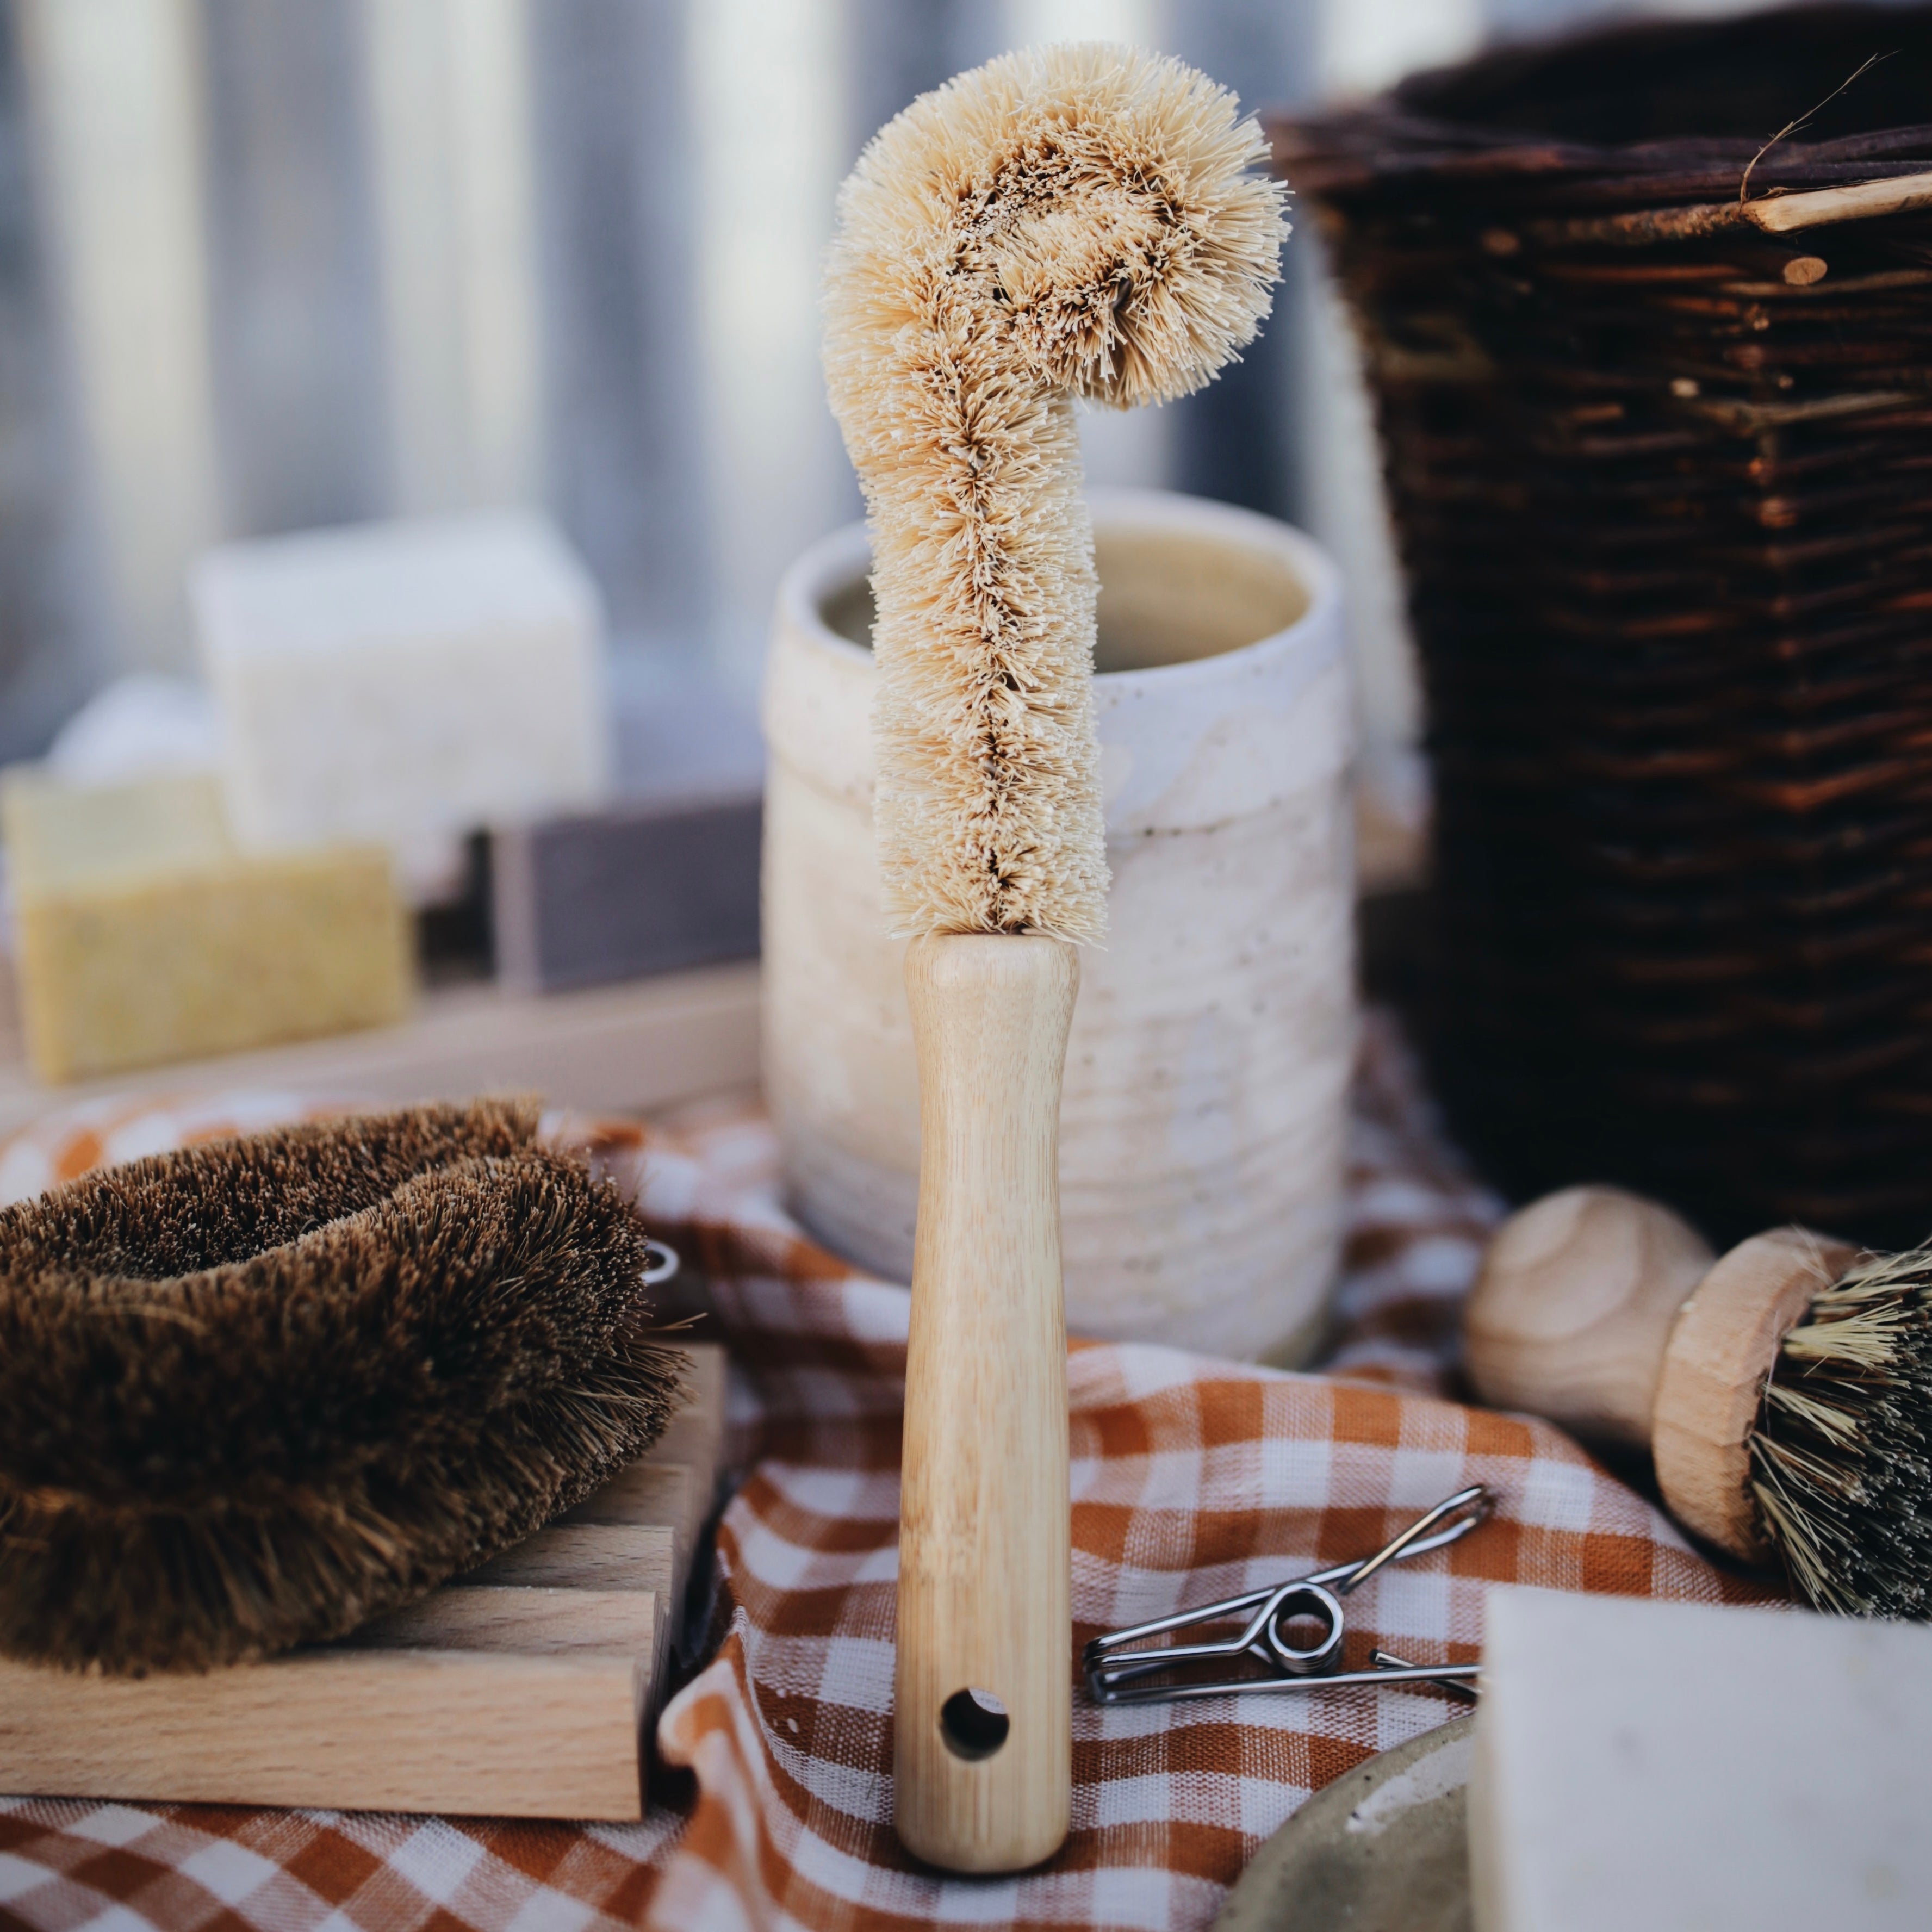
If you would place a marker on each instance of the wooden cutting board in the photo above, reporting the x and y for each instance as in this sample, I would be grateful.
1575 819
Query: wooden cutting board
525 1689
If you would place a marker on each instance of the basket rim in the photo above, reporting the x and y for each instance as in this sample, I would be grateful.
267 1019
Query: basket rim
1393 140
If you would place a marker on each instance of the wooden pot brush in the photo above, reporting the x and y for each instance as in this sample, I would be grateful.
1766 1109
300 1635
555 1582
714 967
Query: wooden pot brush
1066 222
1785 1391
257 1392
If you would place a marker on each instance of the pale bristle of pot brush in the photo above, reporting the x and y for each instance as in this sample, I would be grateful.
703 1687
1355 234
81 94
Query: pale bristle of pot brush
1841 1456
1084 220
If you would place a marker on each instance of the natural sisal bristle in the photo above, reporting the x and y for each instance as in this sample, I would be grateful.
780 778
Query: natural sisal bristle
1066 221
255 1393
1841 1459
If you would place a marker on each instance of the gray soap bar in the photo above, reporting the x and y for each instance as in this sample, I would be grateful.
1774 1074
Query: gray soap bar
645 886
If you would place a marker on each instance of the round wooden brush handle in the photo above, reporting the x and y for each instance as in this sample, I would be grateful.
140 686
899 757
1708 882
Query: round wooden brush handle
1608 1314
985 1588
1573 1307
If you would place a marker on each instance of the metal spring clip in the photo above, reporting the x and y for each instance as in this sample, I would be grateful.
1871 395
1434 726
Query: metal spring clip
1110 1666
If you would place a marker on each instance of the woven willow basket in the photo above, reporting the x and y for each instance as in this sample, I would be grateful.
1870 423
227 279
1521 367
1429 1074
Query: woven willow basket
1659 442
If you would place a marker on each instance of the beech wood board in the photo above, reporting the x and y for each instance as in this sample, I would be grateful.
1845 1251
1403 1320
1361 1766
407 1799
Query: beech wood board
525 1689
611 1049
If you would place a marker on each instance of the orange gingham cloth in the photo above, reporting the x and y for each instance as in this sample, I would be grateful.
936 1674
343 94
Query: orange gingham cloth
1192 1479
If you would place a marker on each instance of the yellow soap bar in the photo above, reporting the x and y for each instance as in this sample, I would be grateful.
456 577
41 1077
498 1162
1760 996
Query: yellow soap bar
143 935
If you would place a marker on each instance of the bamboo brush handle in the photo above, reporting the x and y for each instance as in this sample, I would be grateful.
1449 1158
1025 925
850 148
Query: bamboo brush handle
984 1584
1608 1314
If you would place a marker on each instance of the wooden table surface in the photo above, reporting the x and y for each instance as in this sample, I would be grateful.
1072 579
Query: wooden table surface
640 1046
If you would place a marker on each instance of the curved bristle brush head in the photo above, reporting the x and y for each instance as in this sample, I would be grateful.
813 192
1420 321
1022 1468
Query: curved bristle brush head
1784 1388
255 1393
1067 221
1841 1456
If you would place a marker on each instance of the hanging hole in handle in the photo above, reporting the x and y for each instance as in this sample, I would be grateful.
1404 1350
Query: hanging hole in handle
974 1724
661 1264
1310 1603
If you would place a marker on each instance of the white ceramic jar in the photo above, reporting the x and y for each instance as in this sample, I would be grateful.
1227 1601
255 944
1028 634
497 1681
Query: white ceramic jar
1204 1111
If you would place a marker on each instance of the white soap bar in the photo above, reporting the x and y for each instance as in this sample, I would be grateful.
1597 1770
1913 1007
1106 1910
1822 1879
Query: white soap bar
1670 1766
403 681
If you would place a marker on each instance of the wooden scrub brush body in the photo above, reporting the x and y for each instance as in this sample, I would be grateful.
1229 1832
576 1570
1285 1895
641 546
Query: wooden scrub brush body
1067 222
257 1392
1784 1389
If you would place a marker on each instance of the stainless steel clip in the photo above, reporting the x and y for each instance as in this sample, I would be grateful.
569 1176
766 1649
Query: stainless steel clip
1112 1666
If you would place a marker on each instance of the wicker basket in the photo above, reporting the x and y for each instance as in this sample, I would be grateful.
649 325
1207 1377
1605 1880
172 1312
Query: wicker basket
1660 460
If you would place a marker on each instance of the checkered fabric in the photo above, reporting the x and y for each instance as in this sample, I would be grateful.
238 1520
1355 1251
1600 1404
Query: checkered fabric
1192 1479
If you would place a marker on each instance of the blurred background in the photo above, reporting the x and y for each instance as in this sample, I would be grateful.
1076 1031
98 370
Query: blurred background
272 264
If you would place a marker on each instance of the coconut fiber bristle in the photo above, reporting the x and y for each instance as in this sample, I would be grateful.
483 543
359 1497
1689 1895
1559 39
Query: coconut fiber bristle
1069 221
1841 1458
253 1393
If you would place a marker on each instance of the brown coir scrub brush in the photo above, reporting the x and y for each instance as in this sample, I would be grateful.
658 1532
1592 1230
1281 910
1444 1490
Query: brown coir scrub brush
255 1393
1067 222
1784 1390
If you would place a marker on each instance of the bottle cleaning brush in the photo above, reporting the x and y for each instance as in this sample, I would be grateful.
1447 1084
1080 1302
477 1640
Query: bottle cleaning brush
257 1392
1076 221
1785 1391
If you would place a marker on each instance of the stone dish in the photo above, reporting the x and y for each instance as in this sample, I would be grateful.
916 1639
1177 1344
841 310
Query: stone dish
1383 1849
